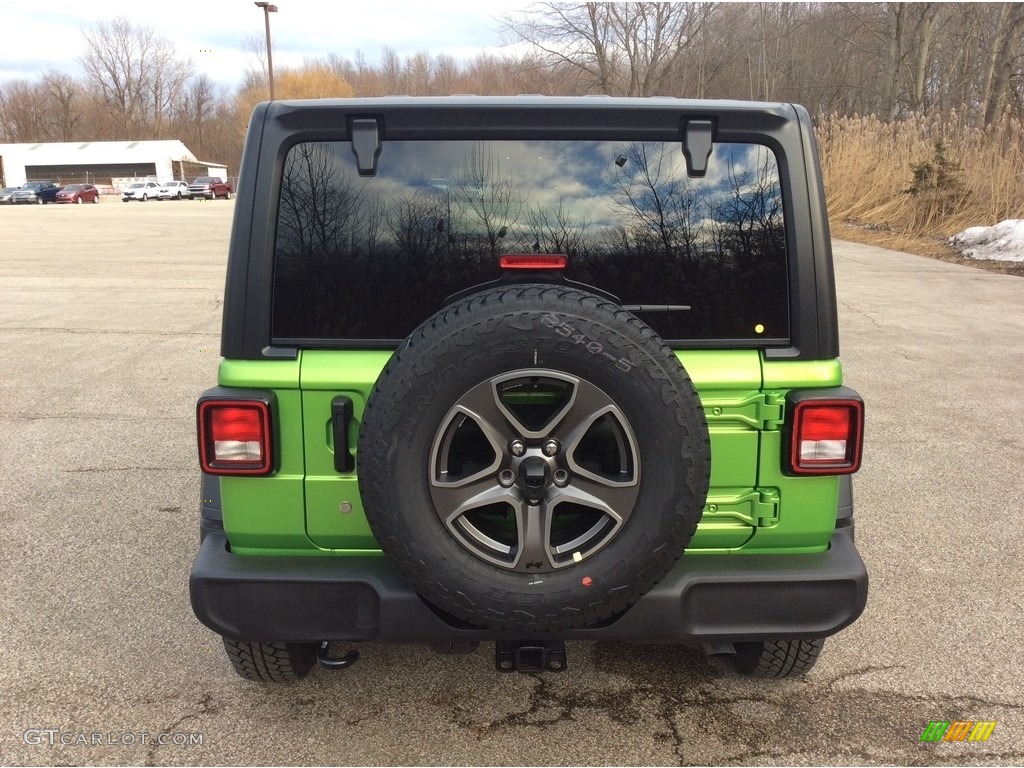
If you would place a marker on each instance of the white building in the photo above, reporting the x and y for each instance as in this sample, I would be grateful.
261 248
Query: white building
101 162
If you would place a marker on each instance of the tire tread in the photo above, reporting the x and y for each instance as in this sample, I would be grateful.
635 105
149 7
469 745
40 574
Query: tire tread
269 662
778 658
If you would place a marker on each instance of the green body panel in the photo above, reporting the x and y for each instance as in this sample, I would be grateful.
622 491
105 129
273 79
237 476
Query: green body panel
325 375
267 512
807 504
307 507
729 383
269 374
801 374
807 512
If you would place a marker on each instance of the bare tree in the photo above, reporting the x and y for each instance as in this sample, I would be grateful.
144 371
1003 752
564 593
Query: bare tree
488 200
419 74
622 49
555 231
194 111
135 72
418 224
1000 59
391 70
255 45
661 203
447 75
748 221
22 112
65 107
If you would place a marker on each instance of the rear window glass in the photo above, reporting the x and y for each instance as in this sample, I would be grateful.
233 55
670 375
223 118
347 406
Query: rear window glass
369 258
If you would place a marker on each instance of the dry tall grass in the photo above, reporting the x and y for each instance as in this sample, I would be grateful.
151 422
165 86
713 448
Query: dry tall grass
869 164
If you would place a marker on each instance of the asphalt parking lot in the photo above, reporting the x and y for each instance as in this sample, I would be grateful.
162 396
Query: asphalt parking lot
110 317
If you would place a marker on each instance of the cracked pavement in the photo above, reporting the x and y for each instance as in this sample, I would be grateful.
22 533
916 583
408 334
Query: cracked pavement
110 317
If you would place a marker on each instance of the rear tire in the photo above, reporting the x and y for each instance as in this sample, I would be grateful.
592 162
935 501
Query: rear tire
271 662
777 658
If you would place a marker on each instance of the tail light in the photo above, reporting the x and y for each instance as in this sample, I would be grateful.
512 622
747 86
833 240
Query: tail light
533 261
825 434
235 437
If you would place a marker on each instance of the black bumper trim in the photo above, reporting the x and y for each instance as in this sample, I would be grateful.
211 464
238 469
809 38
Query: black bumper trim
704 598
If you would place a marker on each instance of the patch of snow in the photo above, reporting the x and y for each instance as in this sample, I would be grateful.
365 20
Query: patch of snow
1003 242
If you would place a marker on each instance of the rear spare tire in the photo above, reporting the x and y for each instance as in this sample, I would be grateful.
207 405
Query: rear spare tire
533 458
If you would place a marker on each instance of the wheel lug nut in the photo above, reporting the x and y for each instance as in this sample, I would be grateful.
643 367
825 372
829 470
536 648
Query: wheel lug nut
551 447
561 478
506 478
517 447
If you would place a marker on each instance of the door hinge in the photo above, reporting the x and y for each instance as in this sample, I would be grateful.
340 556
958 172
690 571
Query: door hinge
773 411
756 409
758 507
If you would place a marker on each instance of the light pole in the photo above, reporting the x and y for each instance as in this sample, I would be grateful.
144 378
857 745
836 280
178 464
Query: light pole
267 10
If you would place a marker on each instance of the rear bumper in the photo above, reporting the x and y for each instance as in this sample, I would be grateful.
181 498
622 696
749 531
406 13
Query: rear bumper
705 598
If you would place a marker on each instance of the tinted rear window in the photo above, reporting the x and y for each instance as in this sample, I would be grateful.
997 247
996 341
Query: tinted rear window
369 258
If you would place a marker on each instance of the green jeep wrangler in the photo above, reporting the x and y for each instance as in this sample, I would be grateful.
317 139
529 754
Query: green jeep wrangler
525 370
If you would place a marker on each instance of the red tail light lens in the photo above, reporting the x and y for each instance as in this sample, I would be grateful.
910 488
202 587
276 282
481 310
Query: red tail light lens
533 261
234 437
827 436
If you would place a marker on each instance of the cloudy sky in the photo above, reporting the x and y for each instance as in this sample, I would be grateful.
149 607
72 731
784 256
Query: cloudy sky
37 36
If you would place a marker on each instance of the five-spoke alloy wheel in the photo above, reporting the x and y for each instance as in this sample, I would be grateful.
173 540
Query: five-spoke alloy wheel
534 470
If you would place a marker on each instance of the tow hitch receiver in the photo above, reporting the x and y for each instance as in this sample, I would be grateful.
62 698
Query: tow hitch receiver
530 656
326 661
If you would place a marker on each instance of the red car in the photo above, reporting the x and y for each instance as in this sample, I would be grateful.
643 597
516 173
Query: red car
79 193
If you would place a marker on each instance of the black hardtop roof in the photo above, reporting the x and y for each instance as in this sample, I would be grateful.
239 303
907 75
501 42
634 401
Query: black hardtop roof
412 117
531 100
752 111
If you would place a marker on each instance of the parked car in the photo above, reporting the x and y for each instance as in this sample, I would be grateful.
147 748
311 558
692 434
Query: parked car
78 193
140 190
172 190
6 194
209 188
38 192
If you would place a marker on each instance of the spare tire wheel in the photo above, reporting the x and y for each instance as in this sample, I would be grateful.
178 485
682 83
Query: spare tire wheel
533 458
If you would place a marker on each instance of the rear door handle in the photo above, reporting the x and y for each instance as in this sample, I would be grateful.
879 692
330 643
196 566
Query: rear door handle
341 417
